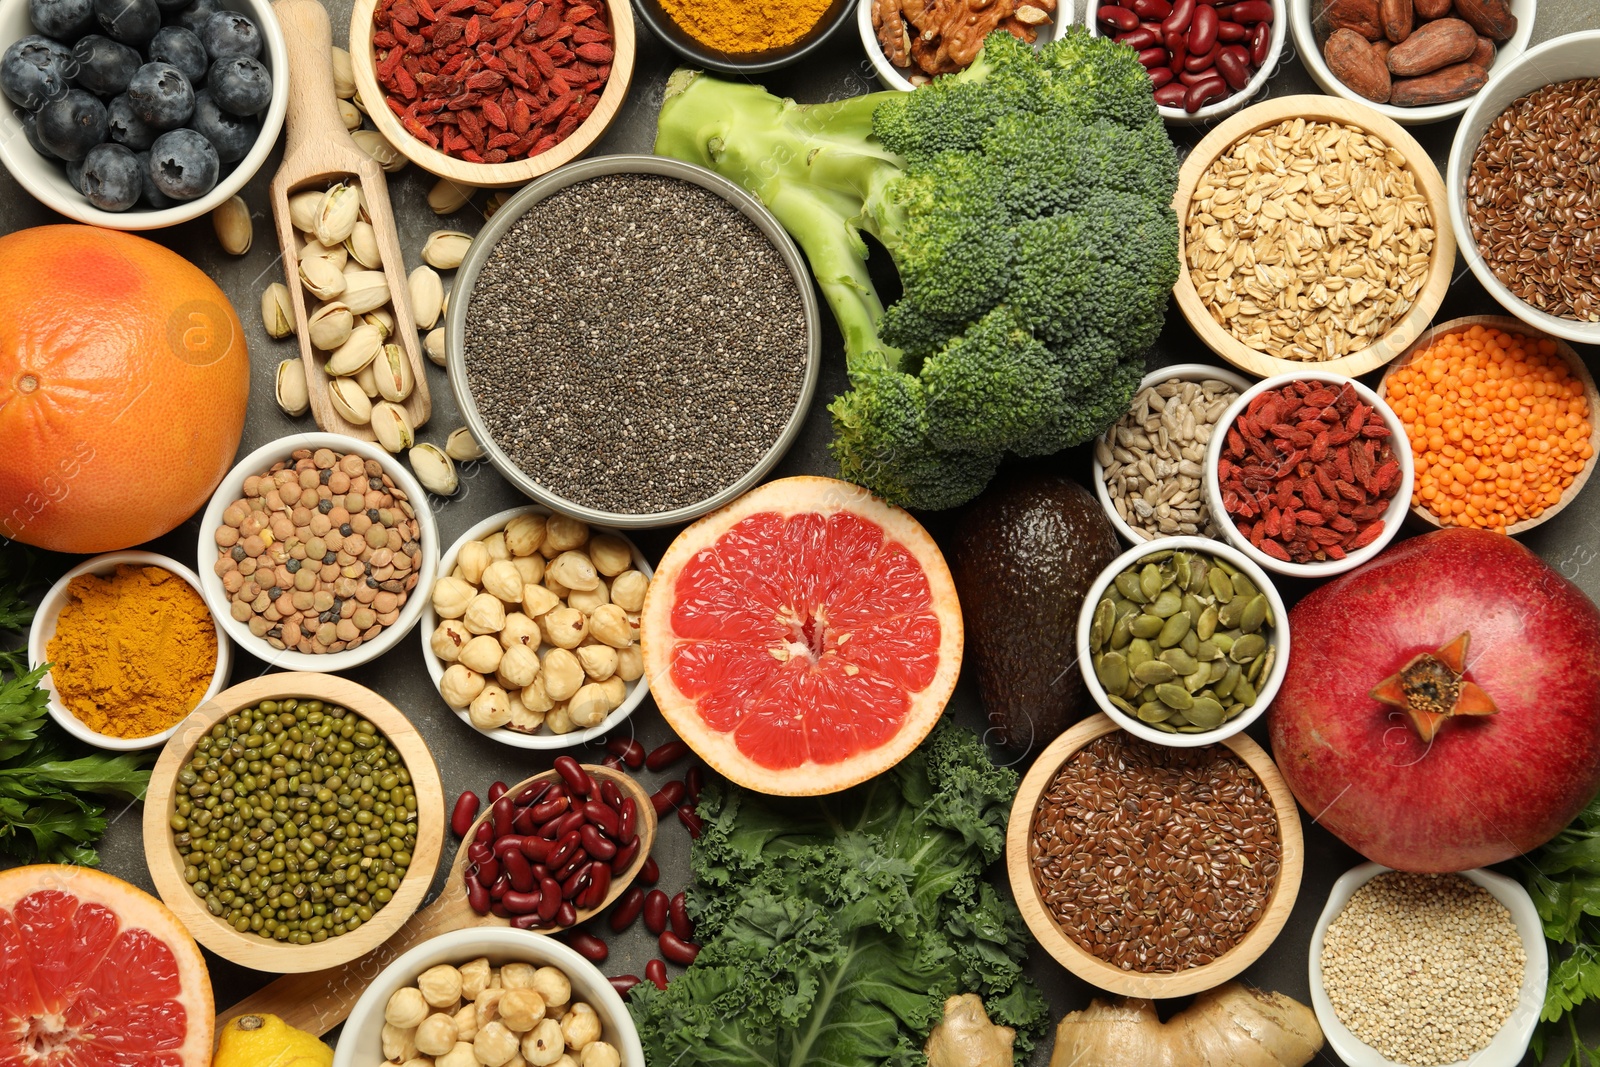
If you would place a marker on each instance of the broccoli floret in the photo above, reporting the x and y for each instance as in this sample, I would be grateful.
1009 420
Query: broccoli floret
1025 204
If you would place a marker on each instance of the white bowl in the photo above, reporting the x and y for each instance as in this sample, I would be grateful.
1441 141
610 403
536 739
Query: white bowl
1511 1043
1576 55
1305 43
545 740
47 179
232 488
1177 116
1188 372
1279 631
889 76
44 628
360 1043
1399 504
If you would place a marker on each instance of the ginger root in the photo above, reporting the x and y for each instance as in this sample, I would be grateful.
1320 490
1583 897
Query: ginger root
966 1037
1230 1026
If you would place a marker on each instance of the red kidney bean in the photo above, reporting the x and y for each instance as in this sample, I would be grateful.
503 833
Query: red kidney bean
526 922
575 882
566 915
534 793
509 843
548 809
563 850
1247 12
498 889
1260 44
465 811
611 763
628 750
588 946
1202 61
498 910
517 869
677 949
477 896
578 861
693 782
1203 34
687 815
655 972
664 756
503 813
537 849
650 873
489 871
485 833
1229 32
520 902
1201 95
599 885
1193 78
656 908
629 905
595 844
1117 17
547 832
522 822
1178 21
602 816
1139 39
1154 10
1177 52
479 851
1233 63
668 797
549 898
496 791
1172 94
625 857
611 794
1159 76
623 984
678 912
574 775
627 815
569 822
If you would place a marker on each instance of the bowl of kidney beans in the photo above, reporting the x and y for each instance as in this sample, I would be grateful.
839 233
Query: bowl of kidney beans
1205 58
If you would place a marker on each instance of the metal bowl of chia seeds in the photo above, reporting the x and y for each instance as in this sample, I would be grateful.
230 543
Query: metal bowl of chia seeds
651 337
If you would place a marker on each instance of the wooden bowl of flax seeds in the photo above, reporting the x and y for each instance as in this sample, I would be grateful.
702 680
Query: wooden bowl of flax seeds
1151 871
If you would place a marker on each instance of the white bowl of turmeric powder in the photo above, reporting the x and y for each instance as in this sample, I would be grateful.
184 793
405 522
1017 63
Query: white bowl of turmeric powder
133 649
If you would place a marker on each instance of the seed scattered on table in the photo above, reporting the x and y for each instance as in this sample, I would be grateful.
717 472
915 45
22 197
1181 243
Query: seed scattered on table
1154 457
635 344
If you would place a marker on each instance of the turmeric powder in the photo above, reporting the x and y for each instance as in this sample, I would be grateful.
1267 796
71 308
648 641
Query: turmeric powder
743 26
133 651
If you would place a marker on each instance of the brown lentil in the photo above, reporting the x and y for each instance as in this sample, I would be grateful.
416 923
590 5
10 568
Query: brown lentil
320 553
1533 198
1155 859
1425 968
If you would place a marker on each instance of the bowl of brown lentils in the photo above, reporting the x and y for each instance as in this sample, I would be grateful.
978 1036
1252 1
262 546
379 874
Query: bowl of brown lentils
317 551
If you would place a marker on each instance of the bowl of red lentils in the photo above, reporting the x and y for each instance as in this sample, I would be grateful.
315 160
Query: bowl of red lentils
1500 418
1309 474
317 551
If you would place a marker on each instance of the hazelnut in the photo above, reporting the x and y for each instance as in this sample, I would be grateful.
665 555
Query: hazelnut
566 627
544 1044
522 719
451 597
449 637
460 1055
600 1054
406 1008
616 691
630 663
562 533
490 709
496 544
535 698
524 534
472 559
437 1034
628 589
562 673
588 706
530 567
521 1009
481 654
579 1026
495 1045
553 986
519 666
484 614
466 1022
502 579
487 1004
599 661
609 624
557 721
460 685
475 977
440 986
575 570
537 599
518 976
586 600
610 553
399 1042
520 630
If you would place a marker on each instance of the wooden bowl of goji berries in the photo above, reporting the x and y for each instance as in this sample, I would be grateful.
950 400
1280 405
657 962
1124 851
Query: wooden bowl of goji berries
555 78
1500 419
1309 474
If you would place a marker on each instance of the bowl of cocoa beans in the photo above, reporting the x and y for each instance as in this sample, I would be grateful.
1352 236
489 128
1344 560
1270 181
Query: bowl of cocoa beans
1416 61
1205 59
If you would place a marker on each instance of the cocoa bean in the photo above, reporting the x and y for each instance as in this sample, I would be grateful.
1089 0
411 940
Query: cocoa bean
1381 49
1353 61
1485 53
1440 87
1396 17
1358 15
1434 45
1492 18
1432 9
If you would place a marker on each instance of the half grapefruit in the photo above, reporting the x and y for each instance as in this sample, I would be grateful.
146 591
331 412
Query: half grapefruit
804 638
96 973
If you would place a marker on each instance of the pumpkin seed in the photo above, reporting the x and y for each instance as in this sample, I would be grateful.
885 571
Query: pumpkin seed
1174 630
1127 584
1244 692
1206 624
1218 669
1221 584
1146 625
1122 705
1139 651
1112 670
1167 604
1154 712
1174 696
1254 614
1190 643
1180 661
1243 586
1154 672
1230 612
1150 581
1199 574
1205 712
1105 617
1230 681
1198 680
1120 634
1247 648
1207 651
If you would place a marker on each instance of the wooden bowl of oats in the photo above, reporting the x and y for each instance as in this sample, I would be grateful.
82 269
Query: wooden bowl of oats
1312 232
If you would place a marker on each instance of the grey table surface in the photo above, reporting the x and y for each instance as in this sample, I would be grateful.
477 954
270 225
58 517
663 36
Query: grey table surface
468 760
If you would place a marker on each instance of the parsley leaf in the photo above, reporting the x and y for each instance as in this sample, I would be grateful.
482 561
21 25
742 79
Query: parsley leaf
1563 878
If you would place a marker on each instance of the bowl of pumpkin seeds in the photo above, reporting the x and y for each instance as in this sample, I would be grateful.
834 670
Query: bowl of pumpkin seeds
1183 641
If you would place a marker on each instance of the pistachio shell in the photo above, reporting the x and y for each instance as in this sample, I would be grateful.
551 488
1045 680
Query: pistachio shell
447 197
321 278
462 446
496 201
337 215
330 325
427 296
350 114
234 228
433 346
277 314
291 391
303 210
349 401
392 426
434 469
315 249
359 349
368 380
362 244
381 318
344 74
366 290
393 371
381 149
445 249
361 105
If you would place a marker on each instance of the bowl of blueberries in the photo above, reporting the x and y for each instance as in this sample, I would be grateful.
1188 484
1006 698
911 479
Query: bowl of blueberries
139 114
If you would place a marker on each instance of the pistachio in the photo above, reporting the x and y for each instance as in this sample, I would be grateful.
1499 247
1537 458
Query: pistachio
321 278
393 370
293 395
433 346
427 296
462 446
367 380
496 201
382 319
234 229
366 290
434 469
329 326
344 74
349 401
361 105
444 304
392 426
303 210
350 115
445 249
359 349
277 315
315 249
447 197
381 149
362 244
337 215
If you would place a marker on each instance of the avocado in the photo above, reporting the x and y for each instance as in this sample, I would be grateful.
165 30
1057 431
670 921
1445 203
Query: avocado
1025 554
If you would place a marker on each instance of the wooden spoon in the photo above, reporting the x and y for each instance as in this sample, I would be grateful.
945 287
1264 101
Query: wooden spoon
320 151
320 1000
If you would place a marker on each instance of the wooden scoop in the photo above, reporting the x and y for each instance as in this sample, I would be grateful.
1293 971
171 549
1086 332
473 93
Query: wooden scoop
320 151
318 1001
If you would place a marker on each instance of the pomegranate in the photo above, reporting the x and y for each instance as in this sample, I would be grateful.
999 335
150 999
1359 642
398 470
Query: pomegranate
1442 707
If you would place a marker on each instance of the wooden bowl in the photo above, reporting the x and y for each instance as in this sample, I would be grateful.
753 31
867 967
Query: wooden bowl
250 949
319 1002
1096 971
1574 362
492 175
1316 109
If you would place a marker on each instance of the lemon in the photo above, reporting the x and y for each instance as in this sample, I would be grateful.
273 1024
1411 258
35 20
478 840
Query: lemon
268 1041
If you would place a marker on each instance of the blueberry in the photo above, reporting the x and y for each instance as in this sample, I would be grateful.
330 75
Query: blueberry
111 177
161 96
229 134
72 124
34 71
75 174
127 128
183 164
64 20
181 48
129 21
103 65
171 7
229 33
240 84
151 196
30 130
194 15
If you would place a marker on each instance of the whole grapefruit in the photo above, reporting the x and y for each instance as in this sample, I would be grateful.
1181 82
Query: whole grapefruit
123 382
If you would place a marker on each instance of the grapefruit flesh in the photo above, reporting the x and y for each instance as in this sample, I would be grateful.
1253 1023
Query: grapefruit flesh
804 638
96 973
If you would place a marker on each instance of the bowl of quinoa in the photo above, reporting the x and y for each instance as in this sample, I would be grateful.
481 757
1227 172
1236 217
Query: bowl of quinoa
634 341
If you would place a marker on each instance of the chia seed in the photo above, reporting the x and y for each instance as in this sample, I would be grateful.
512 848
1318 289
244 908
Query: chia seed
635 344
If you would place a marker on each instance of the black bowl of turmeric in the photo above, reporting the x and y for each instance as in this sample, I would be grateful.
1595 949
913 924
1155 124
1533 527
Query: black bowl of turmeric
132 649
743 36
